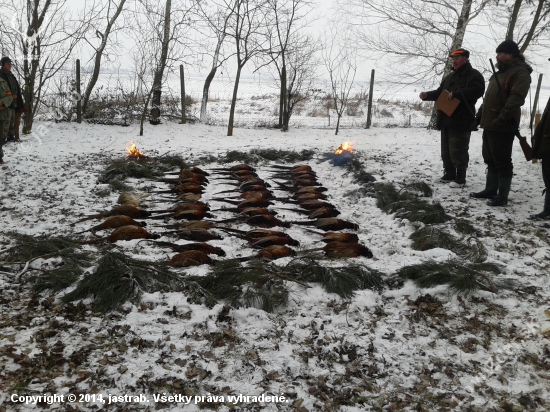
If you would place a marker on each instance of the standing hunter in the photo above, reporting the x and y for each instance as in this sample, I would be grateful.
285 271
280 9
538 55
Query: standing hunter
541 150
17 106
467 85
499 117
6 101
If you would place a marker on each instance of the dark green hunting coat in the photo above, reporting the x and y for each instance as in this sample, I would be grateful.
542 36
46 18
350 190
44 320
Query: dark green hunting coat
471 83
515 80
541 146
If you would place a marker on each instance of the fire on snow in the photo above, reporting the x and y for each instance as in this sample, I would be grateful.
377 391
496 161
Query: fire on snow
133 151
345 147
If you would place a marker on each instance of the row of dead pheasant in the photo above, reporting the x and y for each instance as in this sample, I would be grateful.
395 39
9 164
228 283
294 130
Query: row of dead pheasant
251 204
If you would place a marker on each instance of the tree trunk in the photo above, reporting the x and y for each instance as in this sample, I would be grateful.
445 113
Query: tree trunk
513 20
144 113
209 78
284 98
281 104
234 102
99 56
456 43
338 123
532 28
159 73
205 90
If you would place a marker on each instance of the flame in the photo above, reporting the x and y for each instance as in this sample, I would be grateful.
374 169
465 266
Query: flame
133 151
345 147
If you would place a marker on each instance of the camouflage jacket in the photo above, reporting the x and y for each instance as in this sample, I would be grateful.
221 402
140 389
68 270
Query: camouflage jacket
515 79
15 89
6 99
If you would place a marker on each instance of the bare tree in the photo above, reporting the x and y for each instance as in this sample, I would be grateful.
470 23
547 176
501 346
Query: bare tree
216 20
285 31
244 28
341 64
112 11
302 68
161 34
41 34
409 29
527 20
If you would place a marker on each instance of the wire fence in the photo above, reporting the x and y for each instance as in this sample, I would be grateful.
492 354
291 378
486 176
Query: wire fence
118 98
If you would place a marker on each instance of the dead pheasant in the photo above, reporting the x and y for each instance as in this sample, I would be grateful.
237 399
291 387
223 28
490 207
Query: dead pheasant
126 210
187 211
236 174
242 204
271 253
256 234
184 188
266 221
251 194
125 233
203 247
274 240
253 234
189 258
243 166
250 181
198 180
183 205
312 204
325 211
114 222
329 224
342 237
248 211
197 235
249 188
201 224
297 168
345 250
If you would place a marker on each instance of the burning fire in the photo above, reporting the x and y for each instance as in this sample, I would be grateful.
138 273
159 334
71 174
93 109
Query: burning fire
346 147
133 151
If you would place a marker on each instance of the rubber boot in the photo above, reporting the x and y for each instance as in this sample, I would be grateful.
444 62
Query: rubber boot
501 199
460 180
545 214
491 187
449 176
16 124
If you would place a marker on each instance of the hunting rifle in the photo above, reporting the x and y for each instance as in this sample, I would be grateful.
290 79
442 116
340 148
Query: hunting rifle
527 150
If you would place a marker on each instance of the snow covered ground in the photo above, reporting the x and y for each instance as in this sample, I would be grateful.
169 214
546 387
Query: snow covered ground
404 349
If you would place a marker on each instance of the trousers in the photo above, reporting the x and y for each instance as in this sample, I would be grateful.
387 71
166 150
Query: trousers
497 152
454 148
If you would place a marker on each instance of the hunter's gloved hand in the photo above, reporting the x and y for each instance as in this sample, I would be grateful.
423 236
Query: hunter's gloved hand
498 123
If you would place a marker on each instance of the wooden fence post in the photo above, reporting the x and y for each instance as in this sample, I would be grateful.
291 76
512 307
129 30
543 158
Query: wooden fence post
369 109
182 81
79 99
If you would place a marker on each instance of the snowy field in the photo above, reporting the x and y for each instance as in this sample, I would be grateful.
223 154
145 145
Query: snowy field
406 349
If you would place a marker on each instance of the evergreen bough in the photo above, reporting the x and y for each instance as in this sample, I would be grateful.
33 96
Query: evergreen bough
408 205
29 247
245 286
342 280
461 277
71 267
256 156
147 167
431 237
119 278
